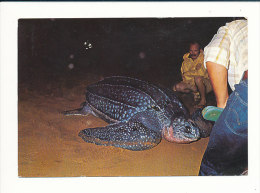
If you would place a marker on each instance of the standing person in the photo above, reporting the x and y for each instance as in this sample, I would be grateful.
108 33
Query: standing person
226 59
195 78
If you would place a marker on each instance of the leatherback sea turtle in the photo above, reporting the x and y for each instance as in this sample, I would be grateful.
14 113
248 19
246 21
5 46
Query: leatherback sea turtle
139 113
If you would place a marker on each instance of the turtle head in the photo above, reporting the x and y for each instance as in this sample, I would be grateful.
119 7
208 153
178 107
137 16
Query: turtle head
181 130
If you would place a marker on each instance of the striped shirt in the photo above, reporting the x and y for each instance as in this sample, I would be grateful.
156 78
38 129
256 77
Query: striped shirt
229 49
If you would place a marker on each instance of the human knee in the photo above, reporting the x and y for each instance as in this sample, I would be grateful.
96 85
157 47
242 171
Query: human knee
198 79
178 87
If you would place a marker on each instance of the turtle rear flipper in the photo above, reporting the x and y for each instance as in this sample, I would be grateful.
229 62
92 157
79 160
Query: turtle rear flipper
83 111
132 136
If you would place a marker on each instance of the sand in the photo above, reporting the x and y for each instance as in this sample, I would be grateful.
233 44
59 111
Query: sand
49 146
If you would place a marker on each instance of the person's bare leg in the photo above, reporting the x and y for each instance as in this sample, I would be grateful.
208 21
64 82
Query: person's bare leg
185 88
202 90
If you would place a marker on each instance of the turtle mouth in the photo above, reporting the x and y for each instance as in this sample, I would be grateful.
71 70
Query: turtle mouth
169 135
186 135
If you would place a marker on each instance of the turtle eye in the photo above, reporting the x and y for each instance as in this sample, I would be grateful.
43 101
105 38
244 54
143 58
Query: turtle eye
188 129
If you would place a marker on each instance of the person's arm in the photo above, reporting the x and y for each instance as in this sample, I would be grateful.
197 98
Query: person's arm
218 77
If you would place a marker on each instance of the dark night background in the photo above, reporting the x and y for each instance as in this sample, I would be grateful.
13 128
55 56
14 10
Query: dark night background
146 48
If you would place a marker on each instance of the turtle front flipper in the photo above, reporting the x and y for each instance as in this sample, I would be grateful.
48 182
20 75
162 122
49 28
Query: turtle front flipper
132 135
205 126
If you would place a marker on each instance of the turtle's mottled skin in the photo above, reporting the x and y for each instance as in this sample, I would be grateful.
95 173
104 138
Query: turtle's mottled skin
139 113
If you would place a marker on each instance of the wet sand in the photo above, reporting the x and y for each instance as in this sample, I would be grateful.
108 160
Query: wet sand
49 146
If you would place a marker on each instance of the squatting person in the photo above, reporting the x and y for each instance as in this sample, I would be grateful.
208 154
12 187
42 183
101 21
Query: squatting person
195 78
